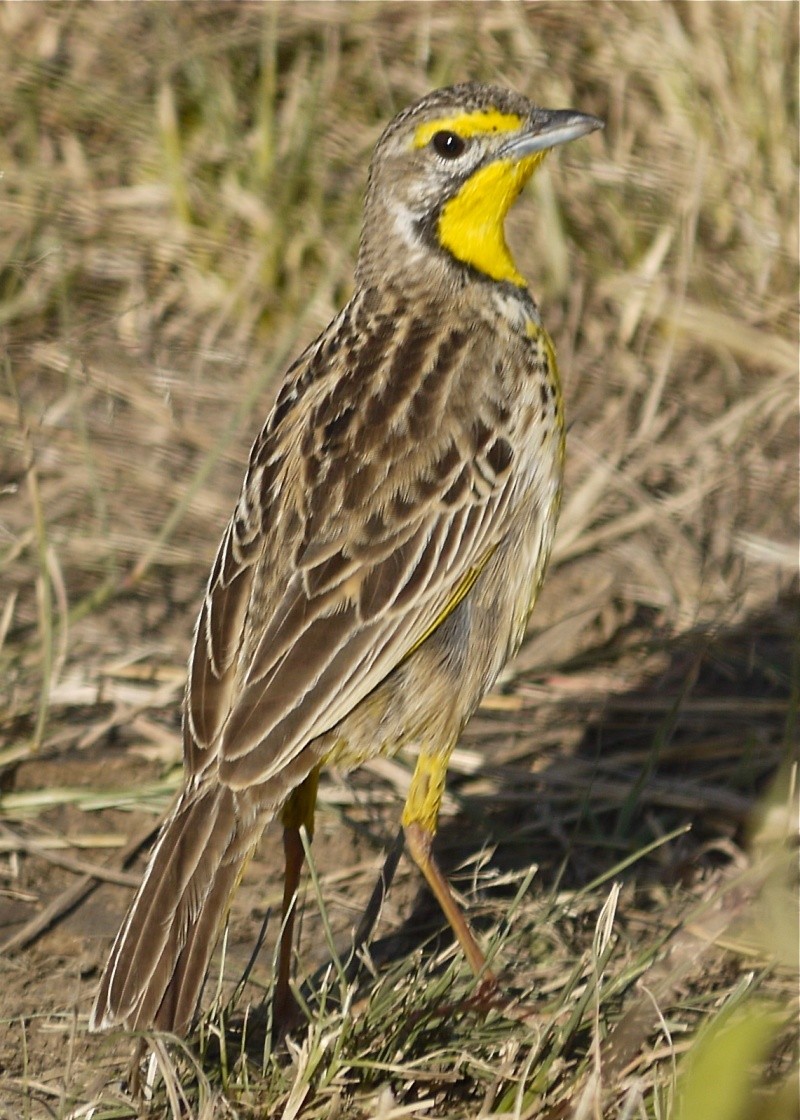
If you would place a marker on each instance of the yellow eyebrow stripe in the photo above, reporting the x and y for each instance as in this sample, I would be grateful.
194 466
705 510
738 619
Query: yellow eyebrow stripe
468 124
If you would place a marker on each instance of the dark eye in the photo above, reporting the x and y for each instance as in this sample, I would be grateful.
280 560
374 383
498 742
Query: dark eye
448 145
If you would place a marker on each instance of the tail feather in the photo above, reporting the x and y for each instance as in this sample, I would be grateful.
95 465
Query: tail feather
180 1002
157 965
160 917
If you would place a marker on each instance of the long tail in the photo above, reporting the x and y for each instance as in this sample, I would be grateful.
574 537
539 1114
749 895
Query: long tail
159 960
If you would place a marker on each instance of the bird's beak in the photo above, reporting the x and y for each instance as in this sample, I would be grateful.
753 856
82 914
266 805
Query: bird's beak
546 129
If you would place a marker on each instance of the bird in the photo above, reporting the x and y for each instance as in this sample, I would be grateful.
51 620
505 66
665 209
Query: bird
386 549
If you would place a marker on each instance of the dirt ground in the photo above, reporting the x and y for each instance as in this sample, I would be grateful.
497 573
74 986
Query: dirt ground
517 801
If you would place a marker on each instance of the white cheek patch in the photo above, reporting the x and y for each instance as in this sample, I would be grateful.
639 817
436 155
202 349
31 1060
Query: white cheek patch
405 226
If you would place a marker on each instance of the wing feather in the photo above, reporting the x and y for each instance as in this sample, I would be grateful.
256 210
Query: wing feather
316 597
348 644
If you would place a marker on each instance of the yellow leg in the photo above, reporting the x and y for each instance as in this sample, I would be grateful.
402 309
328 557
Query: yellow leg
298 811
420 817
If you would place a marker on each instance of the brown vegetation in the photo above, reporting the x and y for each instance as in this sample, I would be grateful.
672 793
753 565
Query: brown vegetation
179 214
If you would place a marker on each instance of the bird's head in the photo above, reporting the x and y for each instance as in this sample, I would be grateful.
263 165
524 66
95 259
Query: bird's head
444 175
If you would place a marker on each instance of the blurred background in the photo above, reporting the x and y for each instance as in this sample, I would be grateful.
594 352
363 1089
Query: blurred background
180 206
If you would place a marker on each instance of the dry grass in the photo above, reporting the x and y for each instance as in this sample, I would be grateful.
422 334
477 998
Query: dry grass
180 212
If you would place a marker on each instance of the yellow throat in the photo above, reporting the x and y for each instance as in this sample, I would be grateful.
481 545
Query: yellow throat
471 224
